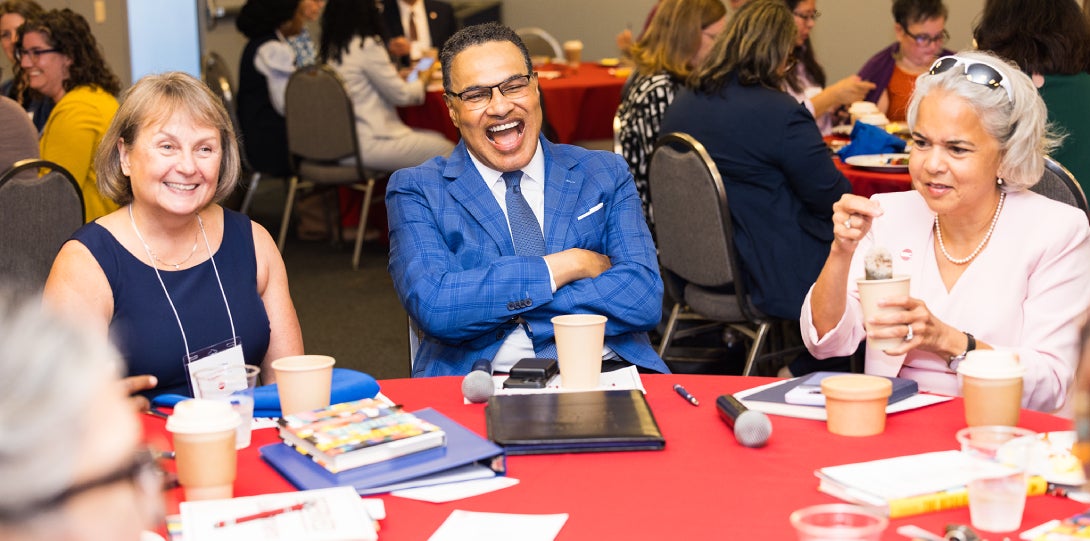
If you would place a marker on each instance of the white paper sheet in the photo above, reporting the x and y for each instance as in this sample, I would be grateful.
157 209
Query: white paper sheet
474 526
918 400
456 491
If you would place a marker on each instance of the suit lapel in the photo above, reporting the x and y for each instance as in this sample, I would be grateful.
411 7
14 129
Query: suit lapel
469 189
562 186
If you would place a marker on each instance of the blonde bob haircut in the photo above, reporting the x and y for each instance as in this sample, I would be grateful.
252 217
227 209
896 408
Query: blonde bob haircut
754 47
153 100
1019 123
674 36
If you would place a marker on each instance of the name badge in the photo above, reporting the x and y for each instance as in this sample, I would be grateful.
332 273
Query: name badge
224 354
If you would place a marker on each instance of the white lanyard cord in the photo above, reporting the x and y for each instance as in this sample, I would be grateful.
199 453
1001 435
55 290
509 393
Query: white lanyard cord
154 267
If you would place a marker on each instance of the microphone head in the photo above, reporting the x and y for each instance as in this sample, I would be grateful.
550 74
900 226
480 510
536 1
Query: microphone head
752 428
477 386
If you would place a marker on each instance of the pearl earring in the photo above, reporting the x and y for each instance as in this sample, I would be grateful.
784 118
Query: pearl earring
999 181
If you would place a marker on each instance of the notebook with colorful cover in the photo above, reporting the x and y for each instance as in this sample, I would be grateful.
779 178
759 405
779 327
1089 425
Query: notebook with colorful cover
357 433
466 455
573 422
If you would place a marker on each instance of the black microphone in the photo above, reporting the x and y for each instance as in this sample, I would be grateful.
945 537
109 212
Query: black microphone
477 385
751 428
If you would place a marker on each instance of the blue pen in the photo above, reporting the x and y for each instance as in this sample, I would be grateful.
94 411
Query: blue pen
685 394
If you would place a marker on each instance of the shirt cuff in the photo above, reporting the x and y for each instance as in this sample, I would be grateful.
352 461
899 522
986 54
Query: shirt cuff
552 283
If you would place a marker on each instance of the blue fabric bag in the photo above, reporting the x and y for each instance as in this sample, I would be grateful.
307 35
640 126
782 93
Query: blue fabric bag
870 139
347 385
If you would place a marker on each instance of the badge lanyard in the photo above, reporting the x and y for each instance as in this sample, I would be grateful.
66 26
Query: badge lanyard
226 353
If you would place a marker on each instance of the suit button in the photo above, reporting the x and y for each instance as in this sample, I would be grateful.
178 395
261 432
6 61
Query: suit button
499 335
511 306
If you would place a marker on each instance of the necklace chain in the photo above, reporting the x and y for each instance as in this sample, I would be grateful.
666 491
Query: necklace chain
155 257
979 247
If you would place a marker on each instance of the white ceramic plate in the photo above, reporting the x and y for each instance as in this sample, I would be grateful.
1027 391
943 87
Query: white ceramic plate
879 162
1052 459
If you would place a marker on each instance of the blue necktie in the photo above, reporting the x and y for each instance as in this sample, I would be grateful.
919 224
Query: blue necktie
525 231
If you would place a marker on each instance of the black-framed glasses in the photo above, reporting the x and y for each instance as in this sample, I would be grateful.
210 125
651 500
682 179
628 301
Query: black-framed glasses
143 471
33 54
975 71
923 40
478 97
812 16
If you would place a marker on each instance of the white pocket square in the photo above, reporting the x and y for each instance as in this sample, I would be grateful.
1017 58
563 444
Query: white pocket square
592 210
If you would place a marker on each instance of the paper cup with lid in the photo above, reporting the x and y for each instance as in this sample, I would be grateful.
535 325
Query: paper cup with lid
204 447
855 404
991 384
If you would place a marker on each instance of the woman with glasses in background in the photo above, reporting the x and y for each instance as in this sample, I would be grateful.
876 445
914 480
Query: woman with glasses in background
352 43
13 13
806 81
780 182
979 141
1050 41
920 27
61 60
678 38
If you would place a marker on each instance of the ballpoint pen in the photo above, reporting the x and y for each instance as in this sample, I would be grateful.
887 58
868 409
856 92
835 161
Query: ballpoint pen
685 394
264 514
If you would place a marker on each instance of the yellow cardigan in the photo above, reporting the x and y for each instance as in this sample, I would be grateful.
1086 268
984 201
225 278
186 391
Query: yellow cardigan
71 138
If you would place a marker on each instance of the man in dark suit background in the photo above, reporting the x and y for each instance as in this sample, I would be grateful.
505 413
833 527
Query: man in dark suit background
488 245
425 24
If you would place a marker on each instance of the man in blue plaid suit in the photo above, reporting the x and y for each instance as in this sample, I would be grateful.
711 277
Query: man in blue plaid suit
463 254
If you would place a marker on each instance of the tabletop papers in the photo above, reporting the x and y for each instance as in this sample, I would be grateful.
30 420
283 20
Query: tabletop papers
474 526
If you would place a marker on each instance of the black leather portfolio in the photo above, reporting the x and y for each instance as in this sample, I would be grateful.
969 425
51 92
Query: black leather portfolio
577 422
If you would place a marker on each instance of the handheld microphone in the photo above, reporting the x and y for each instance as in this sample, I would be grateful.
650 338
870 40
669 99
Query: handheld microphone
751 428
477 386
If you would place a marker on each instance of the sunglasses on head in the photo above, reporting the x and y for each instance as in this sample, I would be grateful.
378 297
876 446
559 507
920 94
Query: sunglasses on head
975 71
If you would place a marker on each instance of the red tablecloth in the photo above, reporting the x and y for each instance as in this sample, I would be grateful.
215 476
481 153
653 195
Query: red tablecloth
579 105
704 485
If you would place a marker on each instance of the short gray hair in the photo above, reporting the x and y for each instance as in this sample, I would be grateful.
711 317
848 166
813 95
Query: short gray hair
49 373
1019 123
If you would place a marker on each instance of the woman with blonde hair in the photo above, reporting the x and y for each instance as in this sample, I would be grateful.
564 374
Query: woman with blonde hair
677 39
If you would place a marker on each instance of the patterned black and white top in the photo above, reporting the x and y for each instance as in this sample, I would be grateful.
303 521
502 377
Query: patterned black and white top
642 107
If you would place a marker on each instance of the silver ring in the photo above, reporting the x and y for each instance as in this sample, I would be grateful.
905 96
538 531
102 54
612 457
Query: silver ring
910 335
848 223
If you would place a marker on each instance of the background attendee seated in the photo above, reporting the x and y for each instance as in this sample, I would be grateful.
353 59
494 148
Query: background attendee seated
61 60
12 15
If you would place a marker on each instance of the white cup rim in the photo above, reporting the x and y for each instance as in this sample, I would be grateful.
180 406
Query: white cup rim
307 363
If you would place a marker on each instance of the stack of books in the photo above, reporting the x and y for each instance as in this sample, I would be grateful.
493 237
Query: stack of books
354 434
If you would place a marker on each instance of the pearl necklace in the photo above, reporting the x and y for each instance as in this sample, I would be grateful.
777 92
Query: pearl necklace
979 247
154 256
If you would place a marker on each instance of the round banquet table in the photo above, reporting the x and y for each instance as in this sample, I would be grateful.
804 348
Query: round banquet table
704 485
579 104
867 183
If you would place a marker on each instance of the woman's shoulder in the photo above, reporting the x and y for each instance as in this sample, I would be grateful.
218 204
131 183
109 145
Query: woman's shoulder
1033 210
86 99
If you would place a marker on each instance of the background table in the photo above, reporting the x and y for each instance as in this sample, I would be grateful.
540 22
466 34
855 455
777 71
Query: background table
704 485
867 183
579 105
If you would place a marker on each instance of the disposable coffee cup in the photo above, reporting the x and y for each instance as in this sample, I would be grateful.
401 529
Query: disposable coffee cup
235 385
204 447
579 342
838 522
855 404
303 382
859 108
873 291
573 53
997 458
991 384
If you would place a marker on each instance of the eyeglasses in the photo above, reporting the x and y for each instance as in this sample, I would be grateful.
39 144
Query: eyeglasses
923 40
143 472
975 71
812 16
478 97
33 54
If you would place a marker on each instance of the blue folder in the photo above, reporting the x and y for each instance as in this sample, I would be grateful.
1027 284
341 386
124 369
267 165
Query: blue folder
463 450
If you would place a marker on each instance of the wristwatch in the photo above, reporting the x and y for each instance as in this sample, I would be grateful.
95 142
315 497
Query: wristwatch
968 348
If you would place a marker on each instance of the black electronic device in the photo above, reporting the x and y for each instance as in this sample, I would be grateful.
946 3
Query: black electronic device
531 373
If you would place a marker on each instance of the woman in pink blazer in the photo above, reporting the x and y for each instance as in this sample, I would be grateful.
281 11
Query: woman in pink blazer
992 265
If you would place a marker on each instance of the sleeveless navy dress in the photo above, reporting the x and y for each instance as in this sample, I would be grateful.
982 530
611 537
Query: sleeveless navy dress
143 327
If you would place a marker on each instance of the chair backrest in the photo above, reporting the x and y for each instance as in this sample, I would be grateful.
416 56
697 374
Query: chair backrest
217 76
692 219
319 114
18 137
37 215
539 42
1059 184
